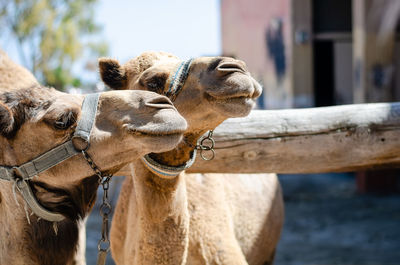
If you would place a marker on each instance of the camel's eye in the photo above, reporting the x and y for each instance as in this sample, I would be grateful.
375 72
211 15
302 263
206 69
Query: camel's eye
156 83
65 121
154 80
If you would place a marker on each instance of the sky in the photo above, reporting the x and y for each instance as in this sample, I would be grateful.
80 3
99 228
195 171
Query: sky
186 28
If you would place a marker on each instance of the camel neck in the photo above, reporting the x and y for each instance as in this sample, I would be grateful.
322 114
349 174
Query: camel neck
161 206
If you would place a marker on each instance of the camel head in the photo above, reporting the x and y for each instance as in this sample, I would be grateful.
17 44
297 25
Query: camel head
128 124
216 88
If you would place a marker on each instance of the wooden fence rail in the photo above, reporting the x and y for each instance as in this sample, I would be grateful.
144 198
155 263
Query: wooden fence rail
314 140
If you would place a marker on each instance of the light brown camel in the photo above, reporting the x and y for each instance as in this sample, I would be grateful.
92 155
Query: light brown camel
34 120
193 218
14 75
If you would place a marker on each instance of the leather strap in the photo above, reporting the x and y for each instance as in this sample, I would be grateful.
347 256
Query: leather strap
164 171
88 117
41 163
29 197
6 173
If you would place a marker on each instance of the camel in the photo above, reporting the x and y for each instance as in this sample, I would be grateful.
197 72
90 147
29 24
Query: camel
35 121
14 75
166 218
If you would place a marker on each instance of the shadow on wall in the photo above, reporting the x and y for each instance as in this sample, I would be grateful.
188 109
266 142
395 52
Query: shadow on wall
275 47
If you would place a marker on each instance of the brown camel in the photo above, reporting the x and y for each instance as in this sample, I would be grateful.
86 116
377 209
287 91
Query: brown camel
36 119
193 218
14 75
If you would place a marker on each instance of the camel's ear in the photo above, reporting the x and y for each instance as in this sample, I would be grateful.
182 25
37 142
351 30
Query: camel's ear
6 120
112 73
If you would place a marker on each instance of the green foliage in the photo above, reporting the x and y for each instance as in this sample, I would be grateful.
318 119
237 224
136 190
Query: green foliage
52 35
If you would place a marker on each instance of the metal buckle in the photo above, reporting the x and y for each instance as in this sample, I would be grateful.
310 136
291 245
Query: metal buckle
80 144
16 174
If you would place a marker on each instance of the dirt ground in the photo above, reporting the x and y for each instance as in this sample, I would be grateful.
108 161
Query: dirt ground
326 223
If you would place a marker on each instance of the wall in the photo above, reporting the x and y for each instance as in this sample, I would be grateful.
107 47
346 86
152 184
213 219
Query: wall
258 32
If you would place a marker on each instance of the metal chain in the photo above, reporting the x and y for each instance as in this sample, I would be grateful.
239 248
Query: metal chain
105 210
207 148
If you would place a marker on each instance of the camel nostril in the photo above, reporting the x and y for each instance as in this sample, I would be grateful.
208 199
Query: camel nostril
159 102
231 67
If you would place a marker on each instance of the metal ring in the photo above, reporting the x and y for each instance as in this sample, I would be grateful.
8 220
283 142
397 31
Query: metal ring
211 141
85 141
105 183
205 157
20 182
203 147
105 209
103 248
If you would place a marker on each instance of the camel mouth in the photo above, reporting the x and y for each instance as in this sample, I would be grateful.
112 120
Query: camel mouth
234 106
234 100
239 86
157 140
154 134
162 122
251 92
173 130
230 98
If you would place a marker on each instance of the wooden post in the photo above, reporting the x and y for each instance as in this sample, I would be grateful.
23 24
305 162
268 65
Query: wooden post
374 24
315 140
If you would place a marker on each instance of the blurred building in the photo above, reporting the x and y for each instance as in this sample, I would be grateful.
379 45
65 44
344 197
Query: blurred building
316 52
309 53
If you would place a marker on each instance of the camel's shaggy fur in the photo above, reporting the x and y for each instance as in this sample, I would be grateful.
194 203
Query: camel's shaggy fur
194 218
35 119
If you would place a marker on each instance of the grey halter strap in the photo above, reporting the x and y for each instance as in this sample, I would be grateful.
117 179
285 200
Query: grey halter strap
164 171
20 175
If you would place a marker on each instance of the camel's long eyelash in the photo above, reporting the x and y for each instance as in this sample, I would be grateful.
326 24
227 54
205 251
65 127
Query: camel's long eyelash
65 121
